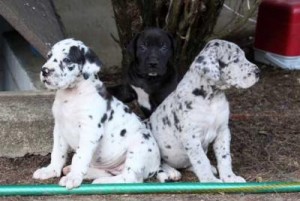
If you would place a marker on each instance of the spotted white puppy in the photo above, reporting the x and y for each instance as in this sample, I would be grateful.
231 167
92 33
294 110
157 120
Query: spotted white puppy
196 114
111 144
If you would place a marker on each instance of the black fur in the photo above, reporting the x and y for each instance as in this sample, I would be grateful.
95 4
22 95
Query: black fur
76 55
152 53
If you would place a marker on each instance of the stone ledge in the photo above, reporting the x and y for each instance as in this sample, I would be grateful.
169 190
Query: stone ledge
26 123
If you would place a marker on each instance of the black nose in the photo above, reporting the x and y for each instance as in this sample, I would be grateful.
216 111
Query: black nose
153 64
257 72
45 71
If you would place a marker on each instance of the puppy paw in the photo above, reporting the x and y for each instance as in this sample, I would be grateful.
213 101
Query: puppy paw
233 178
211 180
46 173
171 175
103 180
70 181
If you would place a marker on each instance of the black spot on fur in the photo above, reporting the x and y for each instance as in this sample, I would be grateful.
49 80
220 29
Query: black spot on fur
150 150
188 104
224 156
104 117
217 44
200 92
76 55
236 60
91 57
99 125
123 132
148 125
166 121
200 59
90 116
176 121
104 94
61 66
55 60
146 136
199 162
108 104
127 110
180 106
168 146
111 115
222 64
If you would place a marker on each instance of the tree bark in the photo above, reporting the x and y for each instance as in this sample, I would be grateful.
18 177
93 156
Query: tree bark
190 21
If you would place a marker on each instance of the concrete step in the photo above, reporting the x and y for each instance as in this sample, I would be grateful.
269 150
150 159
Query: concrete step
26 123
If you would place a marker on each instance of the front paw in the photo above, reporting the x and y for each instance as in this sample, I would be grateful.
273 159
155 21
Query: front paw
46 173
172 175
211 180
233 178
71 181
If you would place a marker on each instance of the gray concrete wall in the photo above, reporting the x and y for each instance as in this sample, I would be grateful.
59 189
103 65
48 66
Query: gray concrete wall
22 64
237 21
92 21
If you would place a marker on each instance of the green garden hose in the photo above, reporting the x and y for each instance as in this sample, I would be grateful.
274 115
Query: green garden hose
146 188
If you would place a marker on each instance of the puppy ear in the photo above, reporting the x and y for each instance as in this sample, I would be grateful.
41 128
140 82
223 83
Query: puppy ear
173 42
92 64
131 47
76 55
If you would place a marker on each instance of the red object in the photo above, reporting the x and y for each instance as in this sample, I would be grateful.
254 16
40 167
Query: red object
278 27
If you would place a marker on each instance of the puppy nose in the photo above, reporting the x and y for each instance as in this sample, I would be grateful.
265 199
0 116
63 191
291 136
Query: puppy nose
257 72
45 71
153 64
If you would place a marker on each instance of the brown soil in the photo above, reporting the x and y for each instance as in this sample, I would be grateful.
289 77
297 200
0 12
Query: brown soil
265 145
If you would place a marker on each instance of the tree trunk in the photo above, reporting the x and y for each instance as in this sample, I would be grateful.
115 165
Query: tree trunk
190 21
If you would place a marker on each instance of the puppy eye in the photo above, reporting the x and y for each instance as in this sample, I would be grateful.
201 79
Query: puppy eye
164 48
66 60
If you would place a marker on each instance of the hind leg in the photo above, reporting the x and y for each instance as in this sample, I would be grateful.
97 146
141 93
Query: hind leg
92 173
130 174
141 162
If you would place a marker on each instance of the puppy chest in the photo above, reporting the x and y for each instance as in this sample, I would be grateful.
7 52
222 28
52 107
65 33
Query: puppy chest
142 97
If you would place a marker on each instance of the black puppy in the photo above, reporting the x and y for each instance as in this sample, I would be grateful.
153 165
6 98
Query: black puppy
151 75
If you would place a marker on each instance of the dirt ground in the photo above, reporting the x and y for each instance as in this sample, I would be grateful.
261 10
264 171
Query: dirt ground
265 126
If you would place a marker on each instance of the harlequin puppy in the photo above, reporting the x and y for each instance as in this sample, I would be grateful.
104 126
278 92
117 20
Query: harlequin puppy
111 144
196 114
151 75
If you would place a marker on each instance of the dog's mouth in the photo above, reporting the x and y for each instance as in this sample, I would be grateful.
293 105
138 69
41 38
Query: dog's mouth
153 74
46 82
